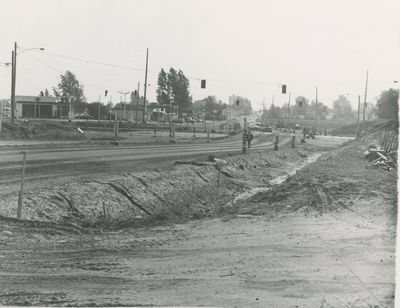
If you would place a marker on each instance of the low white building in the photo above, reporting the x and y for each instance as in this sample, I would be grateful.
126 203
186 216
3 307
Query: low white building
36 106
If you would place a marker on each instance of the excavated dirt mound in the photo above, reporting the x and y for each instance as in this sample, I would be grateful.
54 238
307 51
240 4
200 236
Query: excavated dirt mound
39 130
311 190
188 190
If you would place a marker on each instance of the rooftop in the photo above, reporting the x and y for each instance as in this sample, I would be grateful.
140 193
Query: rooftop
35 99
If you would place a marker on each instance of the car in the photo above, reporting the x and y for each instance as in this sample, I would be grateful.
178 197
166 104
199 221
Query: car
83 116
178 120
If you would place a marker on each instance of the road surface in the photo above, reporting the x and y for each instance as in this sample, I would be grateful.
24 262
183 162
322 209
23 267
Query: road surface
63 163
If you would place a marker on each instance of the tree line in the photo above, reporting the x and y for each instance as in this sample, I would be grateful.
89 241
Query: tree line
173 92
385 108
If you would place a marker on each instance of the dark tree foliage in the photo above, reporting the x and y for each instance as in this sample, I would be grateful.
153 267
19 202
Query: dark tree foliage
69 87
174 90
342 108
388 104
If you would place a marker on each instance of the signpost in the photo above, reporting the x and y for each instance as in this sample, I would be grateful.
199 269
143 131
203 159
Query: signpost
21 192
244 138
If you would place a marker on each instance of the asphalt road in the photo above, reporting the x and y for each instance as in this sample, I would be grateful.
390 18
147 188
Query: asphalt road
48 165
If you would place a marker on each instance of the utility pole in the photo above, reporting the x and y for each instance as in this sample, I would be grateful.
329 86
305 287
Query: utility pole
145 84
137 101
1 114
288 111
316 106
13 58
98 116
365 101
358 117
14 82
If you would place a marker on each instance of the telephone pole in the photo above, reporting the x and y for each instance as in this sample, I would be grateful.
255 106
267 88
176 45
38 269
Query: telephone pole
13 81
316 106
145 84
137 101
365 101
358 117
98 116
288 111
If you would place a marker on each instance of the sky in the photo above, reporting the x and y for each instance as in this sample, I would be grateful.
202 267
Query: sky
247 48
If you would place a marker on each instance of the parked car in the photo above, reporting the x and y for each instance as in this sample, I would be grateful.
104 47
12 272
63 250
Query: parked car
85 116
178 120
267 129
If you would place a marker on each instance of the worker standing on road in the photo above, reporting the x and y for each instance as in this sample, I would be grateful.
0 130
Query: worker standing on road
249 139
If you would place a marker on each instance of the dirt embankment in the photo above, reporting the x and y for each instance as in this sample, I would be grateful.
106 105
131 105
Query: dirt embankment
187 190
326 239
40 131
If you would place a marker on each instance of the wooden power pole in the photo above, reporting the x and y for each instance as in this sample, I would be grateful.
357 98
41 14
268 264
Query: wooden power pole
145 84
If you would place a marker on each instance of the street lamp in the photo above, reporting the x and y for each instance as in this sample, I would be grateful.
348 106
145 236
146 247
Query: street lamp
124 93
14 76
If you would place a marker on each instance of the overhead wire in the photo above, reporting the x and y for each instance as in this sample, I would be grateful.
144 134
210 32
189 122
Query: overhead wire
87 61
60 73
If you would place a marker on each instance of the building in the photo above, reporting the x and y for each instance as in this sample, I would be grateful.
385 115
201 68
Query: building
44 107
157 112
130 111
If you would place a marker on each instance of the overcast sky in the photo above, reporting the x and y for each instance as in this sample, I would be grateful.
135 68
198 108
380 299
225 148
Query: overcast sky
246 47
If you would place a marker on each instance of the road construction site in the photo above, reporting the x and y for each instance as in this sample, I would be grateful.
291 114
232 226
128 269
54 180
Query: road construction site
199 225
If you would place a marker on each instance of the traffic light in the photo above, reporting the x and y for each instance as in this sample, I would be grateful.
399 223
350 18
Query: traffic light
203 83
284 89
105 92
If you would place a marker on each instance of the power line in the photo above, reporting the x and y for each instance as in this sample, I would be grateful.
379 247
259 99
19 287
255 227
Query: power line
142 70
59 72
93 62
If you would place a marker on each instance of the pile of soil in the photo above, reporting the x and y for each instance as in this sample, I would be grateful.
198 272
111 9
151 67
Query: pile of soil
187 190
312 190
351 130
39 131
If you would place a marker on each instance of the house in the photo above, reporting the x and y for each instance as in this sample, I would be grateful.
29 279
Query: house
36 106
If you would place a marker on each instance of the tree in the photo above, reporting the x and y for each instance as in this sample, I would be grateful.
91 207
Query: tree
41 93
388 104
173 89
163 89
46 93
301 107
342 108
211 107
93 110
69 87
242 105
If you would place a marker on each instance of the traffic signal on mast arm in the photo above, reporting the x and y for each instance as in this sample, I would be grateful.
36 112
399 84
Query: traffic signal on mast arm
203 83
284 89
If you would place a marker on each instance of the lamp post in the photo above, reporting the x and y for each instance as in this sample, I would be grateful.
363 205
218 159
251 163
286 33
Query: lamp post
14 76
124 93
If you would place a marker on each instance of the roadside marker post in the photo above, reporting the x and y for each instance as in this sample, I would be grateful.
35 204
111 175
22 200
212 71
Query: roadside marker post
21 192
276 143
244 137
